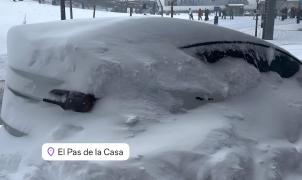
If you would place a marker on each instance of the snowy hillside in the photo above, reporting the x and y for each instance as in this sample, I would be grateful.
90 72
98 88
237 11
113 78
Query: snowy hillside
251 130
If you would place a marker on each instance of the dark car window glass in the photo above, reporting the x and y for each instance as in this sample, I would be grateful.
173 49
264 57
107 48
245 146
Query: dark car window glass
284 65
263 57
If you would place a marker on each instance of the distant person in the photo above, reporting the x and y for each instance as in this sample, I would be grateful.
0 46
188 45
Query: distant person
200 14
191 14
206 14
254 14
223 14
298 15
131 11
144 6
231 14
292 12
284 14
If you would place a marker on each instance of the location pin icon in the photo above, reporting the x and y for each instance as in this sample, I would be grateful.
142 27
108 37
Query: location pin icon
51 151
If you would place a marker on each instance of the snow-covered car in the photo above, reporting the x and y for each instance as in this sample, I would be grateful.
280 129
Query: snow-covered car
192 100
170 63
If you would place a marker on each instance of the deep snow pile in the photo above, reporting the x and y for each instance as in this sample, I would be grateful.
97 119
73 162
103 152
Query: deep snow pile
250 131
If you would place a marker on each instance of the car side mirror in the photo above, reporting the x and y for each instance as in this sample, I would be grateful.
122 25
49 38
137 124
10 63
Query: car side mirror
72 100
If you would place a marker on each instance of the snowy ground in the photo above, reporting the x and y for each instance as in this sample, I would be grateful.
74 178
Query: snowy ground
252 136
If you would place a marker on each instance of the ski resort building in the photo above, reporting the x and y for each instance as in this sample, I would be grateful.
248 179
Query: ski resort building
184 5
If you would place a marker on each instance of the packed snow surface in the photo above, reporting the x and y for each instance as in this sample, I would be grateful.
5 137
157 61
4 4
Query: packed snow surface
251 131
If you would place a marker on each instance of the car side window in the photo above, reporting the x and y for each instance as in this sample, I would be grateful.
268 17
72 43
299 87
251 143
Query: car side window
263 57
284 65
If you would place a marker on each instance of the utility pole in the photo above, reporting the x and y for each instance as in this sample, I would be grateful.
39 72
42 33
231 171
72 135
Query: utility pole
257 12
62 7
269 20
70 7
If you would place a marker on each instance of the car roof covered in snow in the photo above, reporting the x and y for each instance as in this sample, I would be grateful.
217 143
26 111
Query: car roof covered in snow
134 30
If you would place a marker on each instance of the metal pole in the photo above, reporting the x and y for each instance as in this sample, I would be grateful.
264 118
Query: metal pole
299 13
70 7
172 11
62 7
256 28
94 7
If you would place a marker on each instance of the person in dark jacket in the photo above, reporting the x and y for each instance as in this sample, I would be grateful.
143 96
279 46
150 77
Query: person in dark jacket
206 15
200 14
231 13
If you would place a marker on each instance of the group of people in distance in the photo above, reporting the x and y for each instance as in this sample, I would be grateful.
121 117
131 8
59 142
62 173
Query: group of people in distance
289 12
206 12
200 14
